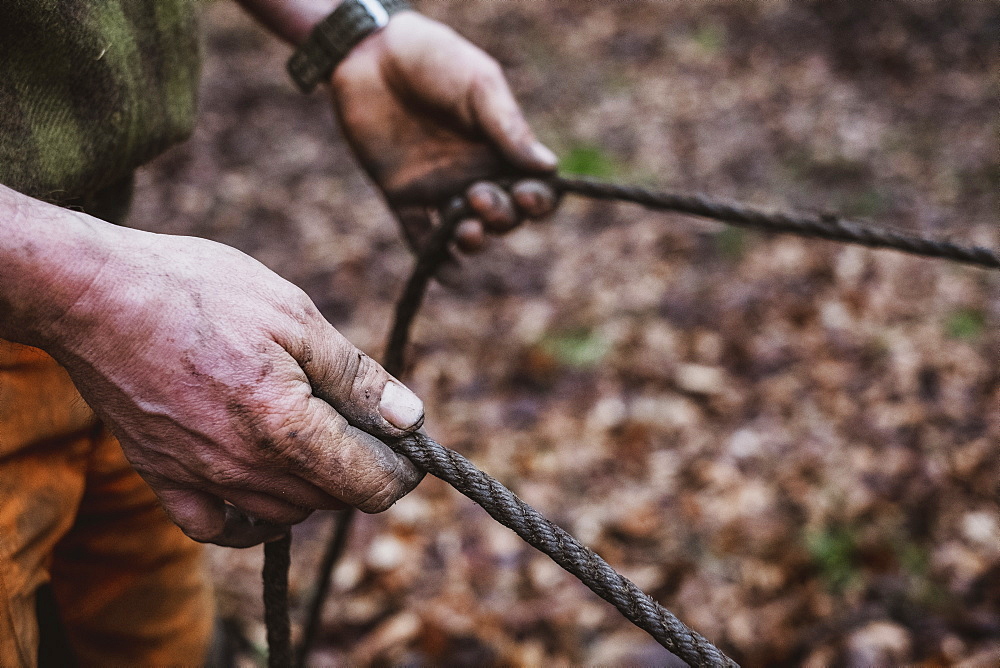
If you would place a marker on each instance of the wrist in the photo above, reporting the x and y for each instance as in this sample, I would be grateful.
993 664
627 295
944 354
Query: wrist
336 36
291 20
49 258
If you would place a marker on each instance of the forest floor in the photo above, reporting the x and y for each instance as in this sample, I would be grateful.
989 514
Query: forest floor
793 445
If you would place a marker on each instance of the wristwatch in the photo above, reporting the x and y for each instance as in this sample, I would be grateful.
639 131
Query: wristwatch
334 37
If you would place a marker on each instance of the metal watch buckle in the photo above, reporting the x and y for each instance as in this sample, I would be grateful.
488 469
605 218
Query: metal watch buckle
376 11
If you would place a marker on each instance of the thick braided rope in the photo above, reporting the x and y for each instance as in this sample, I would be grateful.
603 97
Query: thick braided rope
434 254
818 226
277 559
505 507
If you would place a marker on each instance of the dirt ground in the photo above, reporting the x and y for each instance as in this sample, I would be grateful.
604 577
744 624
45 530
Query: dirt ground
793 445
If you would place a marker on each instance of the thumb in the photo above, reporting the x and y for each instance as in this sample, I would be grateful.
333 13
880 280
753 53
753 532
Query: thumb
357 386
500 117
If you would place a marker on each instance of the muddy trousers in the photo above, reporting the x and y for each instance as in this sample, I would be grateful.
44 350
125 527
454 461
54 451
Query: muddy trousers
129 587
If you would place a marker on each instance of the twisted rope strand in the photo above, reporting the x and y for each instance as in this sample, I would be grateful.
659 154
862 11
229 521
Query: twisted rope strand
505 507
434 254
277 560
828 227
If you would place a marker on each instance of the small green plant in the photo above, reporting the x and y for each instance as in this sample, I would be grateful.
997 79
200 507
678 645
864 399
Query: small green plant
835 552
915 559
579 348
966 323
865 203
922 589
588 160
710 38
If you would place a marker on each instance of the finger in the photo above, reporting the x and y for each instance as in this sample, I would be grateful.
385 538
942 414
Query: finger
355 384
267 508
493 205
199 515
535 199
207 519
282 486
348 463
501 119
244 530
470 237
302 493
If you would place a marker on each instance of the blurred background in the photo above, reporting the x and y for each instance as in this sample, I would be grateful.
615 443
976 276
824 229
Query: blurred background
793 445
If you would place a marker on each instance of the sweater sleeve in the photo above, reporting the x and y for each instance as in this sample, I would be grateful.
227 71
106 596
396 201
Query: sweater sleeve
91 89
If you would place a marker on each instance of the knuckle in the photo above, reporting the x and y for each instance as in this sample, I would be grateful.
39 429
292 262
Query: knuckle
297 442
226 473
480 189
344 368
380 500
358 386
487 76
536 199
284 427
292 302
300 304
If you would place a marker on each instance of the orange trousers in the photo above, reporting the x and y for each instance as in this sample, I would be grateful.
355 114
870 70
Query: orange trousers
130 588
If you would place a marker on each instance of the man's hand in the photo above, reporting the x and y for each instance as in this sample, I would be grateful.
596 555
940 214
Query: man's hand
428 114
221 380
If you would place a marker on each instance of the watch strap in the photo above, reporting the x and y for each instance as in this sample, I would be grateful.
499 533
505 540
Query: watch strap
334 37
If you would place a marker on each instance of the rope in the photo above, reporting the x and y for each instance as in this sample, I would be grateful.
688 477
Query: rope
277 559
502 504
505 507
824 226
435 253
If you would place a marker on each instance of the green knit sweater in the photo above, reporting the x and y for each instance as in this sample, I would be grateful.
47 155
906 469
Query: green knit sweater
91 89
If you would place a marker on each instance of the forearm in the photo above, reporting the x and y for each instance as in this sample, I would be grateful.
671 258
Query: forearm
292 20
48 257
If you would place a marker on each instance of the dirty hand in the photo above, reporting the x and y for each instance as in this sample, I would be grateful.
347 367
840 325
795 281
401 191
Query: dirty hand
428 114
237 402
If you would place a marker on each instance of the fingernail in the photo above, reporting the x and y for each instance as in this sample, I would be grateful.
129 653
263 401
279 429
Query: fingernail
543 155
400 407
